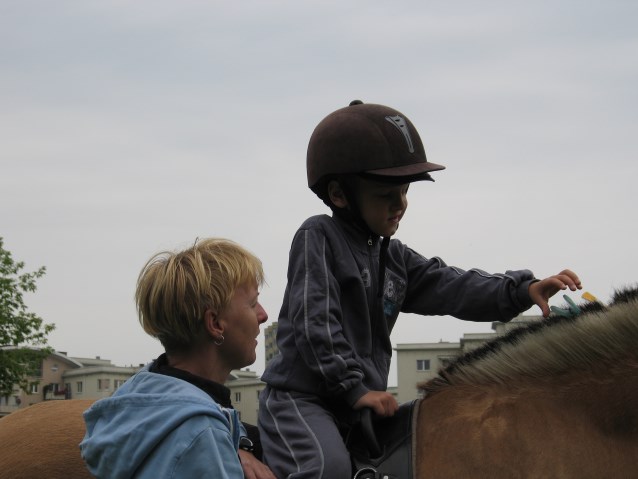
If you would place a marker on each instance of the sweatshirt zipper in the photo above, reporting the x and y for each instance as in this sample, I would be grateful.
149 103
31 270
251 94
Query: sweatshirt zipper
373 300
373 271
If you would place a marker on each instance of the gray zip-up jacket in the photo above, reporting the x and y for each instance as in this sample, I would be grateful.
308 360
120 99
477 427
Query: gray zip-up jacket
334 329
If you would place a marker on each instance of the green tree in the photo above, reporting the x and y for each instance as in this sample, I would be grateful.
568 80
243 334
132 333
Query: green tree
23 335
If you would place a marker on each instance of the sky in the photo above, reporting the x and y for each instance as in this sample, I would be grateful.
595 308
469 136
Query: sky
129 128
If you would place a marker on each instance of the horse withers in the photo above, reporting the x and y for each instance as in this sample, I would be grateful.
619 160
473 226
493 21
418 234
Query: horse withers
558 399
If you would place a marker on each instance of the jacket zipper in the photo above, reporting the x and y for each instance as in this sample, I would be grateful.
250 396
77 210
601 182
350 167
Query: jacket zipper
372 300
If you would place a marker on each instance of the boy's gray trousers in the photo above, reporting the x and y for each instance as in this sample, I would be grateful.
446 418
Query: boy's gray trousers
300 437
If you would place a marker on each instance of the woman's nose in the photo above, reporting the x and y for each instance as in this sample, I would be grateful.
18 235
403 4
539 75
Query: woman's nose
262 316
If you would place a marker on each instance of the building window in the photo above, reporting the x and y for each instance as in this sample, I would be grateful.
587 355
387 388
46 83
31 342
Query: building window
422 364
34 388
78 387
117 383
103 384
237 397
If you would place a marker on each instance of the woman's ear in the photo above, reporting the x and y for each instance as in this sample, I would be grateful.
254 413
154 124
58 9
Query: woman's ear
337 195
213 326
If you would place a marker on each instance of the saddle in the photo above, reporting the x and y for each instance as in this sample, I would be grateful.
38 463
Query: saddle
382 448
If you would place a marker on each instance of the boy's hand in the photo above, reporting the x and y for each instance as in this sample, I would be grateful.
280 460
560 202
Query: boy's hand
541 291
381 402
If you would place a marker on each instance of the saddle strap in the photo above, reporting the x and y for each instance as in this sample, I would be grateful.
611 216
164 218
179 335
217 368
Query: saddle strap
392 455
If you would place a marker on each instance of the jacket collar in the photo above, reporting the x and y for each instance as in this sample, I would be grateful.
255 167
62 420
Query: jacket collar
218 392
362 237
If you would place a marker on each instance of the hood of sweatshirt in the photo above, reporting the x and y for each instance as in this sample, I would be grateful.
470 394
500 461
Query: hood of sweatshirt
123 430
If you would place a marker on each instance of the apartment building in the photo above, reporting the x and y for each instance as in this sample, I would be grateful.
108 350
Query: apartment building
245 387
64 377
270 341
419 362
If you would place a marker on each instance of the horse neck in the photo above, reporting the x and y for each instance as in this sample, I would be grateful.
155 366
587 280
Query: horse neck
500 430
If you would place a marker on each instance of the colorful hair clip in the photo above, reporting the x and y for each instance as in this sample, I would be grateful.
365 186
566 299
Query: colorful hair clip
587 296
570 312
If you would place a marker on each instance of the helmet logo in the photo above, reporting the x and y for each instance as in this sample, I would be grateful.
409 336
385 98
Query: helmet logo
401 125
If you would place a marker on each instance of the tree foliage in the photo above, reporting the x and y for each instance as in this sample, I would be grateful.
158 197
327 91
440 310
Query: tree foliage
23 335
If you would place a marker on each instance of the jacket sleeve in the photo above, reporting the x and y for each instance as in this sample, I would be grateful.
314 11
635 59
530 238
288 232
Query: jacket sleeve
315 313
434 288
212 453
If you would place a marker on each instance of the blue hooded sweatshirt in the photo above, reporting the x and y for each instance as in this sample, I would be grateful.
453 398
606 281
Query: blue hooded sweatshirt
160 426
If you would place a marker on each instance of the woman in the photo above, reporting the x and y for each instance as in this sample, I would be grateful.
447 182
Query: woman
174 417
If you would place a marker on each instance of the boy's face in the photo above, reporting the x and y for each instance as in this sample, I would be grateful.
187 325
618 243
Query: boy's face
382 205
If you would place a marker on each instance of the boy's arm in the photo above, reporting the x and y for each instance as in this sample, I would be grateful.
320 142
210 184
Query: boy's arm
434 288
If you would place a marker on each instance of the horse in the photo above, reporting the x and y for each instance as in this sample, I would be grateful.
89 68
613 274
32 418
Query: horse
43 440
556 399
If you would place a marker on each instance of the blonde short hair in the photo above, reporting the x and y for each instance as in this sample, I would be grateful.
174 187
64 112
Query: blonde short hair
174 289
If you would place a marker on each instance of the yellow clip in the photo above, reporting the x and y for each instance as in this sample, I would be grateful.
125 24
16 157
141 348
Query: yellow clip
589 297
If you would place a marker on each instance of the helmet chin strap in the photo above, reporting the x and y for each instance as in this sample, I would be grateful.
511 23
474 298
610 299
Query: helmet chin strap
352 212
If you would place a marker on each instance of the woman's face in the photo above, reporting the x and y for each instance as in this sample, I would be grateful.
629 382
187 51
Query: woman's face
241 320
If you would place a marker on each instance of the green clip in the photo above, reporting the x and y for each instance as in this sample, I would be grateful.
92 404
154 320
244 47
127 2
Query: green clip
571 312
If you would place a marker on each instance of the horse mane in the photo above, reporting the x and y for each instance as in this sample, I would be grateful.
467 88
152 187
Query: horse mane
598 336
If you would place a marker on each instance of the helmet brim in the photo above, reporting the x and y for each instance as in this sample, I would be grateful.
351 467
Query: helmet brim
396 180
407 170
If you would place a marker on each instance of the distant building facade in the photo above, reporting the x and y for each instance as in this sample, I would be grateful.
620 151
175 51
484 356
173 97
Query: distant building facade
97 378
245 387
270 341
419 362
63 377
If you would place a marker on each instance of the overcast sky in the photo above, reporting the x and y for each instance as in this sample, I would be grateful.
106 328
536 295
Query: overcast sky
127 128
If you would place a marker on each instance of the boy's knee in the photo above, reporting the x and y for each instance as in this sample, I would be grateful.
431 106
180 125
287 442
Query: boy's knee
337 464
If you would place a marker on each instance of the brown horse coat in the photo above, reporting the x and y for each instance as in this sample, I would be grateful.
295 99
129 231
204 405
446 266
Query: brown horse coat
43 441
557 402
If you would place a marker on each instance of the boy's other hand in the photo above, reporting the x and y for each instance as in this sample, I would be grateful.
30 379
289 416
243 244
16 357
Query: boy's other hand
381 402
542 290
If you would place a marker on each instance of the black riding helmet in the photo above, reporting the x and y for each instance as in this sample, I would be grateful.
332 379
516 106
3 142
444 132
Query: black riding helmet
370 140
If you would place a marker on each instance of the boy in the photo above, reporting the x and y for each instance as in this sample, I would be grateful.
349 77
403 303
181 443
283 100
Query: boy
347 283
